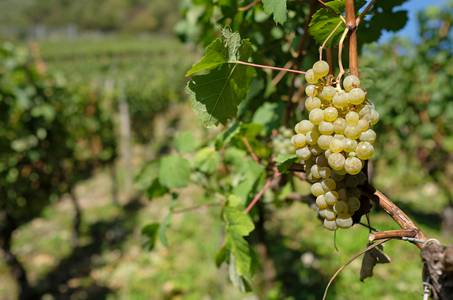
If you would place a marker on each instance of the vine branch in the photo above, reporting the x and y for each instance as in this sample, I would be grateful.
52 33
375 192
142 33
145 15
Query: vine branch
351 25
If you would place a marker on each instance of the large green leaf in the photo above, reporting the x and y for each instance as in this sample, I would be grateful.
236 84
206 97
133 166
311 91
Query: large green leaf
174 171
284 161
325 20
237 221
221 84
277 8
186 142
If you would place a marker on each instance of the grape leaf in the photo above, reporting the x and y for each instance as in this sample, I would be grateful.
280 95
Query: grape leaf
150 233
277 8
223 84
156 189
174 171
284 161
237 221
325 20
185 142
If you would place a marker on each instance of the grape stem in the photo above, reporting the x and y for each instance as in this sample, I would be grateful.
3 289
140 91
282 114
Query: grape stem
340 60
249 6
269 182
250 149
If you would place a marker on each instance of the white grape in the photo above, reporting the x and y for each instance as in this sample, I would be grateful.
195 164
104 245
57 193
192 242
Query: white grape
349 145
327 93
324 141
344 223
314 171
374 117
330 114
310 76
351 82
303 127
336 145
321 202
340 100
310 90
330 225
368 136
329 214
356 96
316 189
336 161
328 184
316 116
331 197
353 165
363 125
352 118
304 153
351 132
339 125
312 103
321 68
364 150
325 127
324 172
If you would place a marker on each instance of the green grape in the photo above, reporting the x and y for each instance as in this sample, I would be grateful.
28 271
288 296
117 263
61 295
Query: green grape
316 189
316 116
356 96
353 165
321 68
324 141
321 202
310 90
364 150
324 172
344 223
314 171
351 82
303 127
304 153
328 184
327 93
312 103
310 76
368 136
351 132
340 100
330 225
363 125
325 127
336 161
299 140
330 114
349 145
352 118
341 208
331 197
339 125
336 145
353 203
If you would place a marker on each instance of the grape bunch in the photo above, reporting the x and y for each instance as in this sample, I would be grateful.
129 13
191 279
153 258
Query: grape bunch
334 143
281 141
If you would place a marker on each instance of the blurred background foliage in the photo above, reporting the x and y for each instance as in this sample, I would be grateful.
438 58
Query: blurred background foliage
61 89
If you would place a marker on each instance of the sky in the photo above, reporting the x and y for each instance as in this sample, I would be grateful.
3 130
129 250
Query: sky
412 6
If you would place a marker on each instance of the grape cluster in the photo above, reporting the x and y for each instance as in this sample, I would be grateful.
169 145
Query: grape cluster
334 143
281 141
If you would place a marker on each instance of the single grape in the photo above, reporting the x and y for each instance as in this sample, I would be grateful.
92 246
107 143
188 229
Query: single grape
352 118
328 185
351 132
329 214
336 161
314 171
321 202
364 150
327 153
299 140
324 172
312 103
321 68
349 145
351 82
339 125
365 111
363 125
303 127
325 127
353 165
304 153
368 136
340 100
316 189
310 90
374 117
310 76
344 223
327 93
341 207
316 116
356 96
330 225
331 197
353 203
330 114
336 145
324 141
